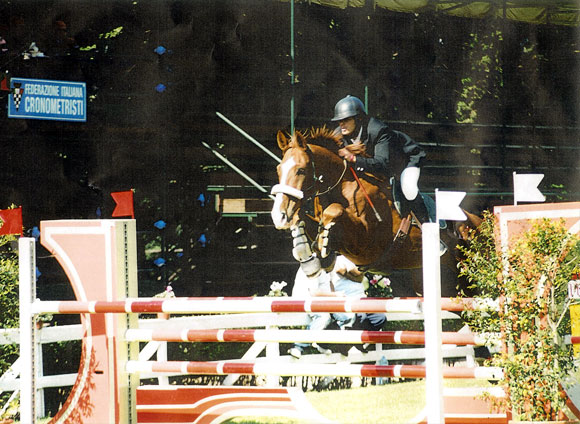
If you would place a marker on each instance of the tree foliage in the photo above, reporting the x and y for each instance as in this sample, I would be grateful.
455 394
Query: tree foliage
483 77
529 282
8 298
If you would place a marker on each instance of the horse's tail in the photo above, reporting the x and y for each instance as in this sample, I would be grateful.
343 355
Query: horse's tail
473 219
462 229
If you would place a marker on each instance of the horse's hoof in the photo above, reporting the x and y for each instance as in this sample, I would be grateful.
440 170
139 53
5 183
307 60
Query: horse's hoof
327 263
295 352
321 349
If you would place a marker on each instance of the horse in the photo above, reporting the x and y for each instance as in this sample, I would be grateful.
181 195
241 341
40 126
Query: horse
330 208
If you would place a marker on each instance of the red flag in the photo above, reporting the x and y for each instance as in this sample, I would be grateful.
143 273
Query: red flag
124 201
12 221
4 83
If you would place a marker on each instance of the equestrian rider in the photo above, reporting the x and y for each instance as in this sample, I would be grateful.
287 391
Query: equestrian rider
390 153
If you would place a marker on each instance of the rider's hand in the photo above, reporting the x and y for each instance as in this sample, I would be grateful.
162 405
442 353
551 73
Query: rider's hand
346 154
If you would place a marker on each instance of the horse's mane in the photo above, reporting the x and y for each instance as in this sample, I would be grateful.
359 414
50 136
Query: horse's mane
332 140
324 137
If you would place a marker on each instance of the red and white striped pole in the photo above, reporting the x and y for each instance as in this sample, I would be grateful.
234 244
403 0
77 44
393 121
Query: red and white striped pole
302 336
208 305
304 369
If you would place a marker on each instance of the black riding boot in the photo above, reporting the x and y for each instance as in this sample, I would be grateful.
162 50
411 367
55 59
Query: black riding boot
417 206
420 210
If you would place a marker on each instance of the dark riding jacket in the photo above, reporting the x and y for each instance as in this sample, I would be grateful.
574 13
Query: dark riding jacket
389 151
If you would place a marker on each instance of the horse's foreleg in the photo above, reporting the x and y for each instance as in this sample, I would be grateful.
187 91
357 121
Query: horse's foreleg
329 218
302 252
323 240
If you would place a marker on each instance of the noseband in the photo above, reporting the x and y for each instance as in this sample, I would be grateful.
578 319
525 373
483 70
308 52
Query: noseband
299 194
286 189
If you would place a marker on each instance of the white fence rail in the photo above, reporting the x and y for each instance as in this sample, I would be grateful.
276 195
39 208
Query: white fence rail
10 382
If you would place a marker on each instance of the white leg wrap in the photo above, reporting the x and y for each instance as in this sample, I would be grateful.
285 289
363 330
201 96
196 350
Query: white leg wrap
324 252
301 251
311 267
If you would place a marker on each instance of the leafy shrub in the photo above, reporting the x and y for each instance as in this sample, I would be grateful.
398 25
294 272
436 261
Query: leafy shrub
529 283
8 301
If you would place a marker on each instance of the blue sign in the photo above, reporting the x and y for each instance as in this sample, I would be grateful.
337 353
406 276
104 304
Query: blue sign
45 99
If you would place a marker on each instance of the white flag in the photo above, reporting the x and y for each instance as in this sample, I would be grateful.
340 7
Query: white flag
526 188
447 205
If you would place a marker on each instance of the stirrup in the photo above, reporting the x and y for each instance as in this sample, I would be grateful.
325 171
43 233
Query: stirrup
415 221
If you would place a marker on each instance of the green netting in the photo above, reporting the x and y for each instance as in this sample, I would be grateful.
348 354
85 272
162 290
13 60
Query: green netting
532 11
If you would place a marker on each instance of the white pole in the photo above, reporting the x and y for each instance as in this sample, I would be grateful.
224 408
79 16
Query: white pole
514 180
249 137
235 168
162 380
432 317
27 294
273 355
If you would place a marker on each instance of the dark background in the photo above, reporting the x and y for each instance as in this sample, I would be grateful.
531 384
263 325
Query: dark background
518 83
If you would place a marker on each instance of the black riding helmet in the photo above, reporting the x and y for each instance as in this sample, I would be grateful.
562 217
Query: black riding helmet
348 107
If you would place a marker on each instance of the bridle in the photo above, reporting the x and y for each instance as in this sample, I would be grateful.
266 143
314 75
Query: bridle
299 194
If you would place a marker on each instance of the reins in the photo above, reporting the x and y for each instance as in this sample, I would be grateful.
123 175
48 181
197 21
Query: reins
329 189
358 181
299 194
318 179
366 195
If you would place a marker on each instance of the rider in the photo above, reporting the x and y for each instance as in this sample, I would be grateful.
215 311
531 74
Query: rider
345 280
391 153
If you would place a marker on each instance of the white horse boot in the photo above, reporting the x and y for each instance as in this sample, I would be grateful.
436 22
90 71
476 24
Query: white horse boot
302 252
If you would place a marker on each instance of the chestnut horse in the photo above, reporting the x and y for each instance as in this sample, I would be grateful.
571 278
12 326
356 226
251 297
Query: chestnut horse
351 214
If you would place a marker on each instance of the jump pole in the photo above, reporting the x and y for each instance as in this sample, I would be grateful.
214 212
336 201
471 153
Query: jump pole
27 291
447 207
302 336
432 319
217 305
285 369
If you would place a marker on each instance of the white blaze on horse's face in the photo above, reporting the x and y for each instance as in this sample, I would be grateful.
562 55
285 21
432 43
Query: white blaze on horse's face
288 193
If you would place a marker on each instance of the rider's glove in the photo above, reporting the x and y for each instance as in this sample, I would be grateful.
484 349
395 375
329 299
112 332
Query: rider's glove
346 154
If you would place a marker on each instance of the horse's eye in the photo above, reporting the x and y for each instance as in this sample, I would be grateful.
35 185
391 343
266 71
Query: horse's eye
301 171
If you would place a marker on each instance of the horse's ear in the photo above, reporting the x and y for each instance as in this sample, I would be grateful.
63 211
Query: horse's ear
300 140
283 141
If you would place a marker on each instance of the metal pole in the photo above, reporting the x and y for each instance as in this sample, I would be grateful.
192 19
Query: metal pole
367 99
292 70
249 137
27 295
235 168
